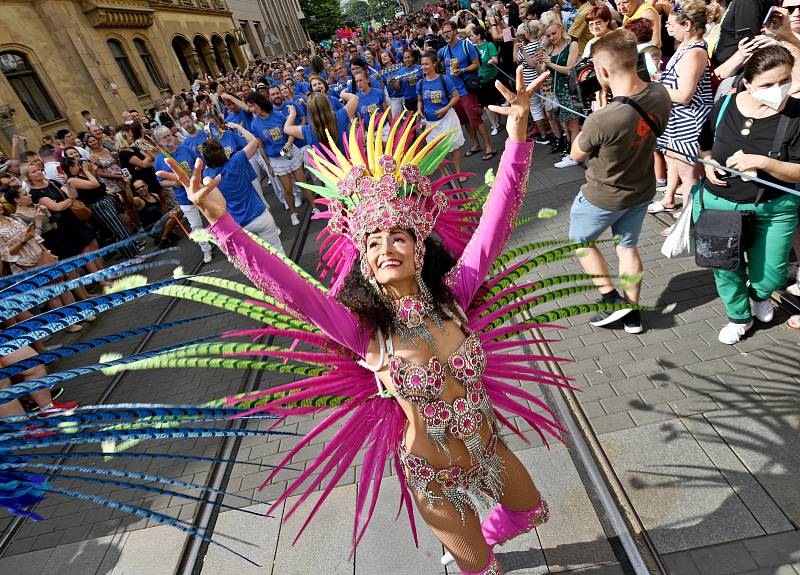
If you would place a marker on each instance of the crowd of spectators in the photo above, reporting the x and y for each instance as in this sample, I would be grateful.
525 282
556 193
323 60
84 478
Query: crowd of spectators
73 192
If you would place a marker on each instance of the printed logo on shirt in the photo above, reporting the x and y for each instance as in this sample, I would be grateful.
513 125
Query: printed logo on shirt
435 96
275 134
228 152
185 166
372 108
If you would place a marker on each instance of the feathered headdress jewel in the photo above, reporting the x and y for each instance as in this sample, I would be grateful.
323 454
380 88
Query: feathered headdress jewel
372 187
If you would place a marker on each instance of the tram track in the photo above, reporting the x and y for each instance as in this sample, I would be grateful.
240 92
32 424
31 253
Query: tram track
219 473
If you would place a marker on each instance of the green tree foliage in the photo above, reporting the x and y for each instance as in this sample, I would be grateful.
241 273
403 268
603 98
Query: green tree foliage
356 11
324 17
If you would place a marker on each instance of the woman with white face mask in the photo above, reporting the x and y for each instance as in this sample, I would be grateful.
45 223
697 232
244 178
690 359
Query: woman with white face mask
741 133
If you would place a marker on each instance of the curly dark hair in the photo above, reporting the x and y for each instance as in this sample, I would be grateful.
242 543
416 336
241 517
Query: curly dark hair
360 297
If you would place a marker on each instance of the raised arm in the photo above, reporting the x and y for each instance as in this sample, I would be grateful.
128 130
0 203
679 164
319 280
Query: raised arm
266 270
289 127
505 198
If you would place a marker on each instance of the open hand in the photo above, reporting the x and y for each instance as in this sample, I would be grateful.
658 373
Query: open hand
202 192
519 104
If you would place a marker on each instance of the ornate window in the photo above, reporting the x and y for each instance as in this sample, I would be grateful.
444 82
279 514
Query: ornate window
125 67
28 88
149 63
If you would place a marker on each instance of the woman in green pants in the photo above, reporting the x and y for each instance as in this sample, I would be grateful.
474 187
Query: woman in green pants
740 133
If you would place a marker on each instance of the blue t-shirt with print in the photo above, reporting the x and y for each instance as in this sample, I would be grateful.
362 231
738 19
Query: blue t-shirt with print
369 102
387 76
342 125
299 104
435 95
193 142
236 186
465 53
411 75
270 131
301 88
241 117
185 157
232 142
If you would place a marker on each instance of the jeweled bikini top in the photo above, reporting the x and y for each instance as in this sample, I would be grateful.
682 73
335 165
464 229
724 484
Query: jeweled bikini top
421 383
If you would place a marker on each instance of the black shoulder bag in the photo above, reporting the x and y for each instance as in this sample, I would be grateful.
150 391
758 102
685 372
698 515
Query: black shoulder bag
721 237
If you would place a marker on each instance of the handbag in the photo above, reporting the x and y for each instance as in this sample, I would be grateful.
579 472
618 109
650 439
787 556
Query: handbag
721 237
679 241
79 209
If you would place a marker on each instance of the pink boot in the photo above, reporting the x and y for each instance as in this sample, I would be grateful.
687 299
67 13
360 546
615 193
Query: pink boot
503 524
492 568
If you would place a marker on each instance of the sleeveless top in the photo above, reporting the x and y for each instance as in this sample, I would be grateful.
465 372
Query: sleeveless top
639 13
686 120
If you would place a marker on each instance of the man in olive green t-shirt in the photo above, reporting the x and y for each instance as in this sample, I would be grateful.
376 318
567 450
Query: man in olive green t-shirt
620 180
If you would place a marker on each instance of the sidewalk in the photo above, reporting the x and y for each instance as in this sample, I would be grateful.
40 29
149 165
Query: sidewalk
704 438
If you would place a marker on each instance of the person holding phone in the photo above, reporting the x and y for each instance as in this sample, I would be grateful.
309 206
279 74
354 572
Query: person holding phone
743 19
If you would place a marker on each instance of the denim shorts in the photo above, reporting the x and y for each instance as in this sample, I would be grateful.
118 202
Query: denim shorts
587 222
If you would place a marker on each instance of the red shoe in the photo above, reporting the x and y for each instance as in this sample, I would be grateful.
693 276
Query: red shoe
58 406
32 433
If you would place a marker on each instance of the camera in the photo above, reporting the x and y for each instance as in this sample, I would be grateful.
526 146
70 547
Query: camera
587 84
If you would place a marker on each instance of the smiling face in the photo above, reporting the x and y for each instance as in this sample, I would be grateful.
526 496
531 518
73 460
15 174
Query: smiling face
390 256
317 86
408 59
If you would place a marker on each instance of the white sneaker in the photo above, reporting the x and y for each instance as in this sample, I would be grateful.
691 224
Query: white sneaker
295 220
447 558
207 257
794 289
565 162
763 311
315 211
298 201
734 332
285 206
494 131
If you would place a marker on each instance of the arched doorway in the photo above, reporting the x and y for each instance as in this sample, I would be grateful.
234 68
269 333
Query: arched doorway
233 50
221 54
206 56
186 55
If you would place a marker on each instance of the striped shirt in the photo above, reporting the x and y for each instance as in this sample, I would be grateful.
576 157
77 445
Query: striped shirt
531 48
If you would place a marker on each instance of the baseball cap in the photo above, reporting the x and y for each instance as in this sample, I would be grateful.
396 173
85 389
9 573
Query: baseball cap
260 85
299 69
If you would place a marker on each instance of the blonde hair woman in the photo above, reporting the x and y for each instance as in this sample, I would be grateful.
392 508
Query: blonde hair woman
562 54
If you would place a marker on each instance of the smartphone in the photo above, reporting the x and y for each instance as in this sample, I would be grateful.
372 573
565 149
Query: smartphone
126 172
743 33
507 36
773 19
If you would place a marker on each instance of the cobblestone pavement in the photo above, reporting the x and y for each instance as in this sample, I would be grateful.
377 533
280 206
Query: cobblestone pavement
703 437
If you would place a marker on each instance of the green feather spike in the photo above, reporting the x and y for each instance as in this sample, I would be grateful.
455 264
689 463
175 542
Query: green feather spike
329 180
572 311
201 236
219 363
542 299
513 254
522 291
226 348
318 401
555 255
236 287
285 259
321 190
519 222
433 158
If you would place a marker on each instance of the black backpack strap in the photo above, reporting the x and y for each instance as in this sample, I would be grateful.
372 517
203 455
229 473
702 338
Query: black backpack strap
444 88
648 120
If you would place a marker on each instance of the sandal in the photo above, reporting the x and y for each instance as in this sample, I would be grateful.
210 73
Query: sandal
488 156
469 153
657 206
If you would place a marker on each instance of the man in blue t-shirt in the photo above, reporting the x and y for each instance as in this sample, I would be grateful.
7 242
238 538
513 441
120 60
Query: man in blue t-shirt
245 206
461 62
369 99
236 111
186 158
195 138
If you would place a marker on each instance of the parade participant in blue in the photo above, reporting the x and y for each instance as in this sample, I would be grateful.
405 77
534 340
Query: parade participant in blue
338 80
320 86
461 63
359 65
186 158
194 136
370 100
399 45
323 118
299 84
283 158
291 98
437 98
245 206
237 111
407 79
389 70
218 129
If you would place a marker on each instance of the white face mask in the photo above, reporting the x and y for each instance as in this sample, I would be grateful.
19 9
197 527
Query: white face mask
773 97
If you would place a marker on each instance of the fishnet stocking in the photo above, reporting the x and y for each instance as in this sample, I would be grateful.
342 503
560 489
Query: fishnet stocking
465 540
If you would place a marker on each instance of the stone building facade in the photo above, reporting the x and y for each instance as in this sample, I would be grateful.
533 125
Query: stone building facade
271 27
59 57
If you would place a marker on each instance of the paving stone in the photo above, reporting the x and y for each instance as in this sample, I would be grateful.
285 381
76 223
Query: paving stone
775 550
593 409
680 563
323 543
632 385
693 405
612 422
595 392
620 403
255 537
661 394
682 499
652 414
723 559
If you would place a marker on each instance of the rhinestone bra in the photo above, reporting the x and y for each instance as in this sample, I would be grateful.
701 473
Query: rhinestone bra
422 384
